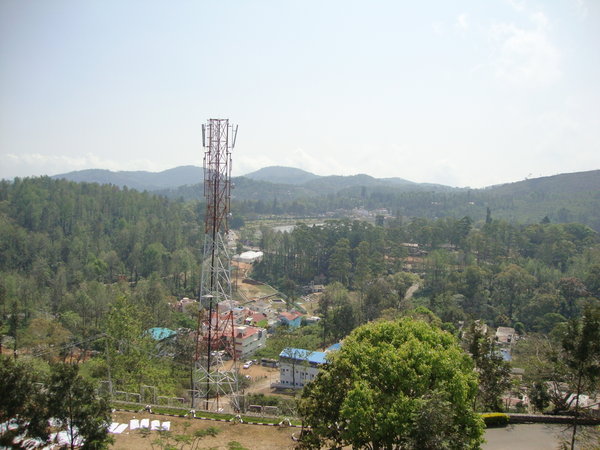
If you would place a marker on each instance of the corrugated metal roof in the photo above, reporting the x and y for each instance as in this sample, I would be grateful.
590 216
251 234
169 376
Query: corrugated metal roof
333 347
304 355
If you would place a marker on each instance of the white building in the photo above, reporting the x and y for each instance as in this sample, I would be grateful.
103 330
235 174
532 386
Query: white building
248 339
298 366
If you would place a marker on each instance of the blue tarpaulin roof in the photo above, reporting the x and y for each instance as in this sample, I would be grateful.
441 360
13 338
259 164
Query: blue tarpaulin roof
158 334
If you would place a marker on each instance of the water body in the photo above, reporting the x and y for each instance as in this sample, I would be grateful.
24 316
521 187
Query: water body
290 228
536 436
284 228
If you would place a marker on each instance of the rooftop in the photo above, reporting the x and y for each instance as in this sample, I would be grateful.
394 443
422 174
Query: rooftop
304 355
290 315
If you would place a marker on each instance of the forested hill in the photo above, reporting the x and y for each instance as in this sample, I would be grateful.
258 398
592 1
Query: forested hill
56 235
139 180
181 181
301 183
565 183
283 175
573 197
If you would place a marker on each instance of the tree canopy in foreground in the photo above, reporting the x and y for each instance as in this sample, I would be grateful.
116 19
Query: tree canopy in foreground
65 397
394 385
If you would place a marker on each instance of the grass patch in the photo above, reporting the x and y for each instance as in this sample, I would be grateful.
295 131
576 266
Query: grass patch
206 414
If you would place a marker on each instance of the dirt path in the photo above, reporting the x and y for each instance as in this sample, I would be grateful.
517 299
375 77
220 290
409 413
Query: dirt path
261 377
411 290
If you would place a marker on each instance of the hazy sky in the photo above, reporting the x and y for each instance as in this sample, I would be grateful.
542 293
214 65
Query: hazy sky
465 93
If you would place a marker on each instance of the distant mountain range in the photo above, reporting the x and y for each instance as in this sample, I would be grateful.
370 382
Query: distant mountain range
173 179
139 179
292 182
307 183
563 198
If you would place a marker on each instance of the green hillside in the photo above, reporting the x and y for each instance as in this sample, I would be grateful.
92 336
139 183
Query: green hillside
563 198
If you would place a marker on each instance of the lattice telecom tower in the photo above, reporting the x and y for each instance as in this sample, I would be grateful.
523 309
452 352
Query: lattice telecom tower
214 377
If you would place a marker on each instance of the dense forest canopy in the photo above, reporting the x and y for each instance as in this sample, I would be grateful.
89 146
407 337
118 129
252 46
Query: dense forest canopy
63 244
569 197
501 272
91 267
67 250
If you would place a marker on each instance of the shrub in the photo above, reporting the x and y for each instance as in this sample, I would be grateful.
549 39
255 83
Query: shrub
495 419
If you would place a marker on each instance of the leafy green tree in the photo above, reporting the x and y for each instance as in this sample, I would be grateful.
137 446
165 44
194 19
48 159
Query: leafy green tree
545 370
461 231
540 313
3 301
45 336
378 297
308 337
581 345
571 289
402 384
153 258
513 286
340 264
338 318
182 265
494 373
438 266
362 269
73 401
152 294
401 282
592 280
22 400
475 289
14 323
128 348
539 396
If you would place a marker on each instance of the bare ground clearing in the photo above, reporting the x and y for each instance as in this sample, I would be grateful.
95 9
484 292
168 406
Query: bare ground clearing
250 436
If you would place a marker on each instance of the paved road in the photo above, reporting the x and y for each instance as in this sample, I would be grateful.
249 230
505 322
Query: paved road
525 437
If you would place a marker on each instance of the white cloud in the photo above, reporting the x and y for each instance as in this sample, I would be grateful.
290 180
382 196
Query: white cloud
525 56
462 21
518 5
540 19
438 28
581 8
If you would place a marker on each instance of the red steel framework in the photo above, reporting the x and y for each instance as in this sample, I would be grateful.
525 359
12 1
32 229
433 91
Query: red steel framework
215 330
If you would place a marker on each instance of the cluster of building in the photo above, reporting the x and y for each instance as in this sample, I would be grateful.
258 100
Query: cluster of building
251 326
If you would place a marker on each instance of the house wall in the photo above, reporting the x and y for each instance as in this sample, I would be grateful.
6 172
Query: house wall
304 370
249 344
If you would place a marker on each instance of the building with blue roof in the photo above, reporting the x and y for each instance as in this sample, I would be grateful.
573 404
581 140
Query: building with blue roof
298 366
333 347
